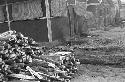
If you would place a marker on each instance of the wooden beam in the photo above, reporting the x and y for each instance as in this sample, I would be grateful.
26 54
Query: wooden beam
48 20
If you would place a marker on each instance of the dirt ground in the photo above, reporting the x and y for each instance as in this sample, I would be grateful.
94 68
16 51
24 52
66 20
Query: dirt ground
96 73
103 73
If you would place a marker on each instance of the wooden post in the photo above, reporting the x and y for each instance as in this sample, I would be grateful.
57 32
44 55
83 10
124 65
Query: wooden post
68 17
8 16
48 21
71 16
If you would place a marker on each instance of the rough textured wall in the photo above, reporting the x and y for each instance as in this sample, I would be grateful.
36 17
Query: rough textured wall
61 29
3 27
2 2
1 14
104 10
80 8
58 8
106 13
27 10
36 29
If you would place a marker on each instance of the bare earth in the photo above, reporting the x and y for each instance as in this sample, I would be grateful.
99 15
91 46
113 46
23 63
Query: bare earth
103 73
96 73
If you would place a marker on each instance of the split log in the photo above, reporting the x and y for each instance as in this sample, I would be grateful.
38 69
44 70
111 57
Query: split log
21 76
43 58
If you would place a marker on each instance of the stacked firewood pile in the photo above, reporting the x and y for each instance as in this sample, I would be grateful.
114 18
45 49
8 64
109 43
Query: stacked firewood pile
21 59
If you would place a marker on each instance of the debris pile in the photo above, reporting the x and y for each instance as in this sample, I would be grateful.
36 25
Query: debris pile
21 59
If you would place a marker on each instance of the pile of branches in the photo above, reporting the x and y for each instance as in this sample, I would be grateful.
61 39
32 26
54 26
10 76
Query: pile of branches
21 59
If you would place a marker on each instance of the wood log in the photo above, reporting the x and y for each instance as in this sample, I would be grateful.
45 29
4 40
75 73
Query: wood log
34 73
